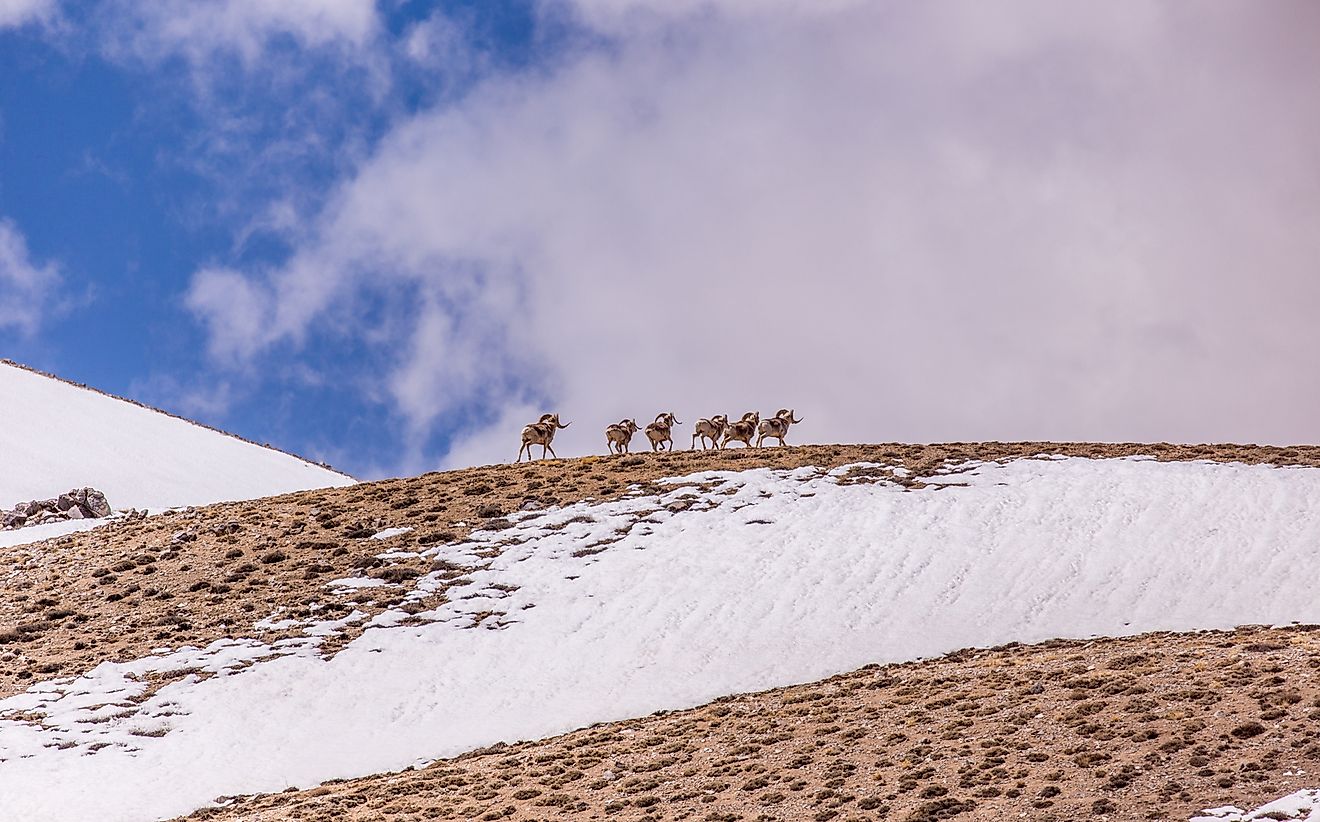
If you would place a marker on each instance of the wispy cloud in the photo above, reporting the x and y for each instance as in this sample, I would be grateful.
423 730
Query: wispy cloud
907 220
21 12
28 290
199 32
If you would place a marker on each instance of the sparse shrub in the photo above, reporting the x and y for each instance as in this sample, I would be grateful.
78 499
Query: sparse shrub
397 573
1248 730
436 536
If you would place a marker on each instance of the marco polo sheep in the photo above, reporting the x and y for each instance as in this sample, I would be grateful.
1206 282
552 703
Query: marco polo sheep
619 435
541 433
711 429
777 426
660 431
743 430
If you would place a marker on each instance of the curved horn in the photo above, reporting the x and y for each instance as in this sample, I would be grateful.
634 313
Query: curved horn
562 424
792 417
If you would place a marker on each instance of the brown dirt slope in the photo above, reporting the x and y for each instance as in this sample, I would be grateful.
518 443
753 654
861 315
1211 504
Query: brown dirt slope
194 576
1149 727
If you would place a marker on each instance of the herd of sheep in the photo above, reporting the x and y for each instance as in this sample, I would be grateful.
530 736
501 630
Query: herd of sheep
717 430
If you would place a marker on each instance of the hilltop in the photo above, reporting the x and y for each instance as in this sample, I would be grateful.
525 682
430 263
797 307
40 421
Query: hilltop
359 615
192 576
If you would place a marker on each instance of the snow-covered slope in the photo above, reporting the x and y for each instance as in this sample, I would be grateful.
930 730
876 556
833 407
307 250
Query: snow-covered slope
55 436
730 582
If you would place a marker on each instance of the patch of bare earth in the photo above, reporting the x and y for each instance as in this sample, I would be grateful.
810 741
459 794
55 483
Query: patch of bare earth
1150 727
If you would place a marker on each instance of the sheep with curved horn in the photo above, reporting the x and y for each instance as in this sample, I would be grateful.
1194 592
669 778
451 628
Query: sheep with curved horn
743 430
710 429
619 435
777 426
541 433
661 431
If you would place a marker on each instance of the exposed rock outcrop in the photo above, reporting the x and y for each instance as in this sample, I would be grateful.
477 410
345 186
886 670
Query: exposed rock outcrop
78 503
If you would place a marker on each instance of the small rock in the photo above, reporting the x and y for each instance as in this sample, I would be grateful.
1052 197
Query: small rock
96 503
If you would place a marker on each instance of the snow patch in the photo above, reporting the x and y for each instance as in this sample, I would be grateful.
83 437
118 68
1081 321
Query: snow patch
1301 805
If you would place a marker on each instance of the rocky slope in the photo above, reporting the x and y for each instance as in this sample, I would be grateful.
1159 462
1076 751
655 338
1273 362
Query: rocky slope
193 576
1158 726
260 569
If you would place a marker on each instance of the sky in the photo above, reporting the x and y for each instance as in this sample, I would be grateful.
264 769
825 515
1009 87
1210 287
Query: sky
387 234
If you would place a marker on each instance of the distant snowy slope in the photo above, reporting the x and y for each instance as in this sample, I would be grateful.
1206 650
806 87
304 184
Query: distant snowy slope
55 436
736 582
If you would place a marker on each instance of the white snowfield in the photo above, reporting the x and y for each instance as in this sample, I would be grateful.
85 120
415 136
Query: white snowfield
731 582
55 436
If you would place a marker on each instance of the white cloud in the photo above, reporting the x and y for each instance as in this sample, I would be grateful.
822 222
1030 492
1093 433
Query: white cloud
20 12
237 312
906 220
28 291
439 40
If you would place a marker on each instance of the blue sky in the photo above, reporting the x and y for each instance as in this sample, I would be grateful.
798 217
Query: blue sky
387 234
126 171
